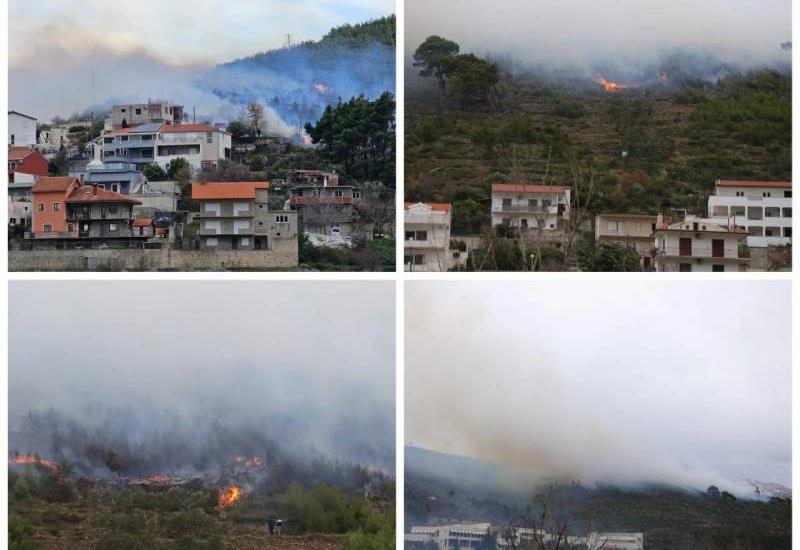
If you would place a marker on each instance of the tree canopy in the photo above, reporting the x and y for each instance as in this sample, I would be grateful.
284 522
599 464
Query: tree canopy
431 55
359 136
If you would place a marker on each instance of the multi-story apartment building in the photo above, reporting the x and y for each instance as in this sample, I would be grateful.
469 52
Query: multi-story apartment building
427 238
119 176
201 145
763 208
141 113
66 209
527 206
634 231
323 206
697 244
236 216
136 145
21 130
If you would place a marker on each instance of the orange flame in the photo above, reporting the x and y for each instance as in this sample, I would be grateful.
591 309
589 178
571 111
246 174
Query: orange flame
664 77
229 497
609 85
31 459
249 463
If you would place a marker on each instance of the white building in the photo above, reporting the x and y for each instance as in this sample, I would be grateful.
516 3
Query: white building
132 114
427 238
530 206
21 130
202 145
473 534
763 208
58 135
698 244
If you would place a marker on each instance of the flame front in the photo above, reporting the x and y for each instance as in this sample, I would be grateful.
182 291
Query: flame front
609 85
31 459
229 497
249 463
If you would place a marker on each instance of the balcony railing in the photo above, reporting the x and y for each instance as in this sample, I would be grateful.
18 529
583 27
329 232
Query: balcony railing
56 235
696 252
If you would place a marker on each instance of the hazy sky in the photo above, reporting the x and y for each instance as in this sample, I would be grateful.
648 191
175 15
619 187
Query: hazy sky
56 45
683 382
580 32
316 357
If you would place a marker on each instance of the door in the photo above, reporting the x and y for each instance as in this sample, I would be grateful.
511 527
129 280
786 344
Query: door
685 245
718 248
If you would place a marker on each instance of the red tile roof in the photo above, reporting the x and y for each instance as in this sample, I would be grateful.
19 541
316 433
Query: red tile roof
227 189
19 153
745 183
438 206
92 193
181 128
46 184
142 222
526 188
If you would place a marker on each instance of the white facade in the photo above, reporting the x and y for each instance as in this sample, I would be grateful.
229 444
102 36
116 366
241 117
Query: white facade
199 148
58 135
530 206
698 244
427 238
471 535
763 208
21 130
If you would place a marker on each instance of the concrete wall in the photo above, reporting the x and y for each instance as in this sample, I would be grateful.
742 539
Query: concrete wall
283 255
23 129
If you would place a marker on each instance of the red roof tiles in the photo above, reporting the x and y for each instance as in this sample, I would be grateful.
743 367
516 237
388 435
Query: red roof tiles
182 128
46 184
19 153
526 188
227 189
92 193
437 206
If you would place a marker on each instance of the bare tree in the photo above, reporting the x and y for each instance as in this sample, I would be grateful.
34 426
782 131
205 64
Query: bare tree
255 112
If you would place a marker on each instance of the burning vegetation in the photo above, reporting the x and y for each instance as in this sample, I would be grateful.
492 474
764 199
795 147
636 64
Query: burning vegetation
21 460
229 496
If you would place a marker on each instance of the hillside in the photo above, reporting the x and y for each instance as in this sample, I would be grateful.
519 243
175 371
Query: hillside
652 147
670 518
298 81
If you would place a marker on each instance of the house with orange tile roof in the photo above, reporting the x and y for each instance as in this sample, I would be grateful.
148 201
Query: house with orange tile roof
763 208
86 215
698 245
427 238
236 216
528 206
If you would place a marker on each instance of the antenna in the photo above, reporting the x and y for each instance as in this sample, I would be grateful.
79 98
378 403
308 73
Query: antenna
288 40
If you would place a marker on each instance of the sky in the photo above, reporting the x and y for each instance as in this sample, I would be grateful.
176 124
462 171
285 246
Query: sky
164 44
580 33
685 383
311 361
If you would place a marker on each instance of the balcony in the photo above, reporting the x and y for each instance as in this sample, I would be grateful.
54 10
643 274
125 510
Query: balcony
56 235
696 252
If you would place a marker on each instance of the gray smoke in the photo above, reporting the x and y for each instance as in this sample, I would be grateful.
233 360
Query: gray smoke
626 383
623 39
182 376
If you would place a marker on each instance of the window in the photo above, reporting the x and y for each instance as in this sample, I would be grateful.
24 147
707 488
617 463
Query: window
40 207
214 226
717 267
409 235
47 228
684 267
524 223
421 236
12 221
787 212
720 211
338 193
737 211
108 140
335 229
112 208
740 193
754 213
101 185
112 227
766 194
282 218
419 259
56 206
506 204
532 203
13 137
70 227
124 138
756 230
787 194
122 110
241 226
211 242
115 189
138 111
612 227
244 241
209 137
212 208
787 232
241 208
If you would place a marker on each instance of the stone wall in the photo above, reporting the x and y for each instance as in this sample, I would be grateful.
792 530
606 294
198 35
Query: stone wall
284 255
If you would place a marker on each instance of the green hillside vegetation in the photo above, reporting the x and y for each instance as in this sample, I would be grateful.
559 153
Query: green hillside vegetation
650 149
